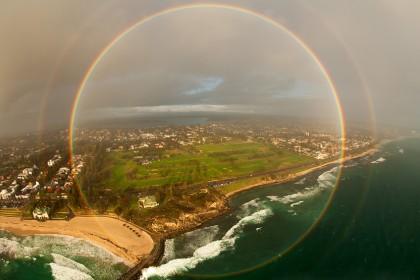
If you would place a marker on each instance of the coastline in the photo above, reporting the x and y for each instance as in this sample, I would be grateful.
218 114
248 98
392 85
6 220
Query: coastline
131 244
113 235
290 177
299 174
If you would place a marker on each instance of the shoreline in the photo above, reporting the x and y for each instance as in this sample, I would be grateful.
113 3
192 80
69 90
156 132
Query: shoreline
294 176
290 177
129 243
137 252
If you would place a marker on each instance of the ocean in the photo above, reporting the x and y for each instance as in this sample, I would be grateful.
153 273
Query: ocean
40 257
369 231
288 231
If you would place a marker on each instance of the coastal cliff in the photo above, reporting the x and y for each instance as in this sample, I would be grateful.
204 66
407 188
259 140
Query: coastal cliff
186 209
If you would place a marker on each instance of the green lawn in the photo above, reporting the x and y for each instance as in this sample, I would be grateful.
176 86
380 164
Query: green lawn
197 164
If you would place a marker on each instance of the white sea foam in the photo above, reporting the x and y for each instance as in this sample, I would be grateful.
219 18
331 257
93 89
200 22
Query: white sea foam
247 208
301 181
291 198
14 249
169 251
353 164
325 181
379 160
61 249
328 178
208 251
68 245
274 198
202 236
401 151
63 261
256 218
177 266
190 241
296 203
60 272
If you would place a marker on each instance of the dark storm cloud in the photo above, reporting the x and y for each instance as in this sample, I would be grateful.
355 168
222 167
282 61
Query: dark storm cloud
47 45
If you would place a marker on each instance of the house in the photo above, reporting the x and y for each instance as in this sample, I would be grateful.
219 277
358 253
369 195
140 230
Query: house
54 161
4 194
22 196
21 177
64 171
27 172
41 214
321 155
27 188
148 201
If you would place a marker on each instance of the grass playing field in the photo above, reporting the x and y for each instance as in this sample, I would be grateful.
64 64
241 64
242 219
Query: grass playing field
197 164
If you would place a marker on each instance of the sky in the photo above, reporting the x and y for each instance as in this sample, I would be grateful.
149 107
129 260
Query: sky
208 60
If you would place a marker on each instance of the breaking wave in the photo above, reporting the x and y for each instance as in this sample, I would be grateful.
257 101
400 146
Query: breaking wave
62 250
69 263
199 237
253 219
60 272
68 245
176 266
256 218
328 178
208 251
249 207
379 160
301 181
88 249
351 164
190 241
325 181
169 250
296 203
13 249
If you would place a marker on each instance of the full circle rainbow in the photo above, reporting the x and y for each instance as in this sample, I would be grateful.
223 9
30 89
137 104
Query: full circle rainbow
243 11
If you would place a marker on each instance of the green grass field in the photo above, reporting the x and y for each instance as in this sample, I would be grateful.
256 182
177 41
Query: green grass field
198 164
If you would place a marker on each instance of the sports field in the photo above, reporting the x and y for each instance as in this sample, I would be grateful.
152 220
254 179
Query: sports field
197 164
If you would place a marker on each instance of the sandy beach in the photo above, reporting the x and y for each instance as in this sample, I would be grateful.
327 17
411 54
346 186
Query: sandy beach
296 175
116 236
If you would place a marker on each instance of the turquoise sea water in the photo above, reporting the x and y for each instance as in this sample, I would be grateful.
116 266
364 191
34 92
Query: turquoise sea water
370 231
